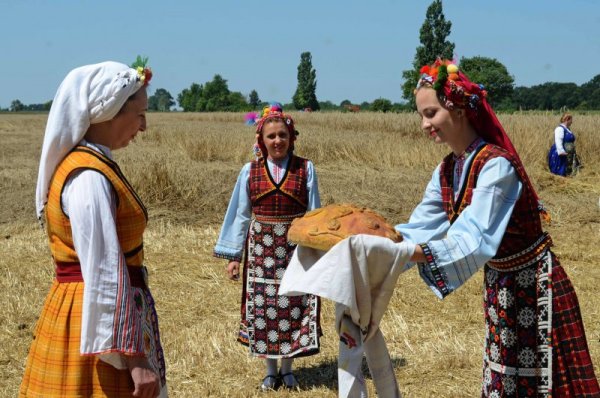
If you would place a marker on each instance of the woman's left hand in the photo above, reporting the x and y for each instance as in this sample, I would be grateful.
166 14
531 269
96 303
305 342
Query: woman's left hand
233 270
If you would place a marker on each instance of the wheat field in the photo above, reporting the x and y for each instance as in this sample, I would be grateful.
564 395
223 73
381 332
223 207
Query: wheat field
184 168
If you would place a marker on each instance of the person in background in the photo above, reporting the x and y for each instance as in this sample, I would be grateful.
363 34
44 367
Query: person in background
270 192
562 157
98 332
480 210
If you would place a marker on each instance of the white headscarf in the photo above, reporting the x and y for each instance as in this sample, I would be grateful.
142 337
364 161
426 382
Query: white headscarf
88 95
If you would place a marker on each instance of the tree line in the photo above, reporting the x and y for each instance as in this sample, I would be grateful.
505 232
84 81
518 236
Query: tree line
215 95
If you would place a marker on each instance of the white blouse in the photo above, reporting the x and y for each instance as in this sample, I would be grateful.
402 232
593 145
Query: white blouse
89 201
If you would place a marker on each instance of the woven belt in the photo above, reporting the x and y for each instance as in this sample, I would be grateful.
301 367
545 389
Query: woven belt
525 257
71 272
275 219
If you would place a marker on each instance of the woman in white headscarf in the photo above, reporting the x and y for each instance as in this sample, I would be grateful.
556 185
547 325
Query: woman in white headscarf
98 338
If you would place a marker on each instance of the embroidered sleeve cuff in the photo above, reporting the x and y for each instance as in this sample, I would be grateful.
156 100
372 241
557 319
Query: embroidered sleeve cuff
228 250
431 271
227 256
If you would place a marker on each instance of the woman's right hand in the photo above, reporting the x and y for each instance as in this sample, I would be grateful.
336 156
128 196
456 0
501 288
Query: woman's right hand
233 270
145 380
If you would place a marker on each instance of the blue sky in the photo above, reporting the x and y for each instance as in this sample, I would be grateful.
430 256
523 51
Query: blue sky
359 48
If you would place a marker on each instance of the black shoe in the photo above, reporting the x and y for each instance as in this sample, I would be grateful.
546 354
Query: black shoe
270 383
293 384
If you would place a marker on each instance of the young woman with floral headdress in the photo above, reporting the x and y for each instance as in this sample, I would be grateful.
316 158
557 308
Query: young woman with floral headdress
270 192
98 333
481 210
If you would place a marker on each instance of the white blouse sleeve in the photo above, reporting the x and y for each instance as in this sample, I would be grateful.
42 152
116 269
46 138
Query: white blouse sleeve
230 244
559 136
90 203
475 236
312 184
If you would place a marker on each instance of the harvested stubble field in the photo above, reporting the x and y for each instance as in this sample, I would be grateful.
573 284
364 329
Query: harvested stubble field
185 166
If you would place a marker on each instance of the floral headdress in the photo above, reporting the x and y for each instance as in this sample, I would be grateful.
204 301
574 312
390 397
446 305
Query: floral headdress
456 91
453 86
144 74
273 111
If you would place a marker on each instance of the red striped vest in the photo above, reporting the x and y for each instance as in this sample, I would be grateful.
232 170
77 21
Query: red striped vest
289 197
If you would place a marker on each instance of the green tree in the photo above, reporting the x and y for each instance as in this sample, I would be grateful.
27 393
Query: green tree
213 96
161 101
432 36
590 94
16 106
305 95
492 74
236 102
381 105
188 98
327 106
548 96
253 99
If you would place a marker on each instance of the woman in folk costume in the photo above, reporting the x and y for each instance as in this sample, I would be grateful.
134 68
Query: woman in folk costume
98 332
481 210
270 192
562 157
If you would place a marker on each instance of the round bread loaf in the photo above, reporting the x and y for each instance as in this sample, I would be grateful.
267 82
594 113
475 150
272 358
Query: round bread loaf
323 228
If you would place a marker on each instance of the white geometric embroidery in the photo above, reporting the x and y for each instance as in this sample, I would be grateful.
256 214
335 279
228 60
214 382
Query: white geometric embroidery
261 346
526 317
296 312
279 273
273 336
279 229
285 347
280 252
269 262
526 278
271 313
526 357
493 316
487 376
491 276
304 340
271 290
505 298
283 301
268 240
509 384
494 352
284 325
508 337
260 323
259 300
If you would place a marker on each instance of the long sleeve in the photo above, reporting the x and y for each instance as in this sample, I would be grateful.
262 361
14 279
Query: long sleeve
314 199
90 202
234 230
559 136
455 252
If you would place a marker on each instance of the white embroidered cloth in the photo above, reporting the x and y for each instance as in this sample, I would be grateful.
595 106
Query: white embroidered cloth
359 274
